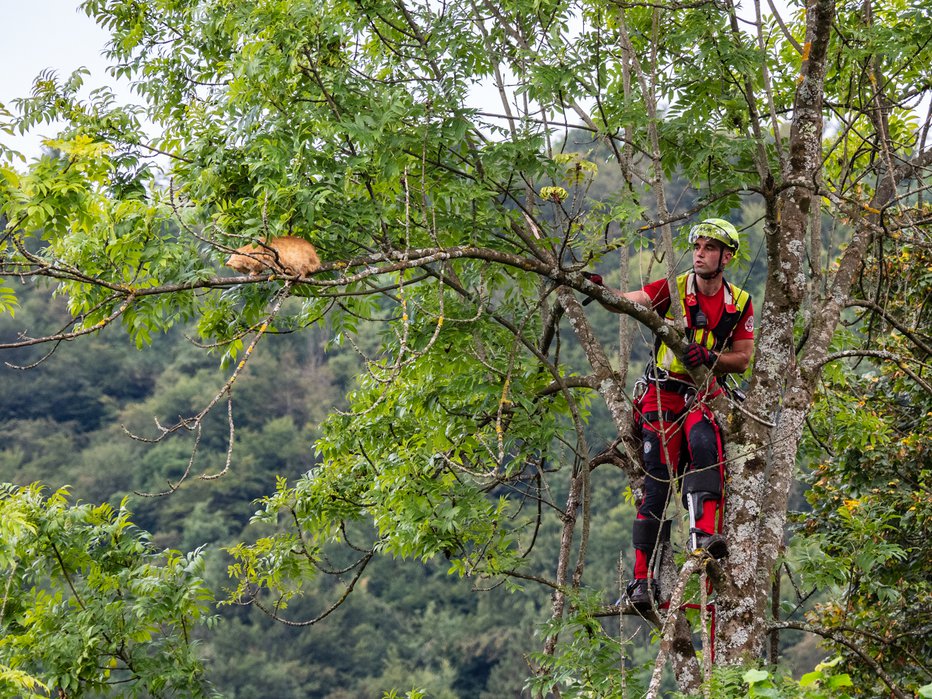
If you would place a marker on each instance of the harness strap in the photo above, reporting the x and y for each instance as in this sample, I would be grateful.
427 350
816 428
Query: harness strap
679 387
661 416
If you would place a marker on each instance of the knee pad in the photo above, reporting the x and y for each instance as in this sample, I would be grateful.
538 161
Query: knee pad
647 532
703 480
704 443
700 486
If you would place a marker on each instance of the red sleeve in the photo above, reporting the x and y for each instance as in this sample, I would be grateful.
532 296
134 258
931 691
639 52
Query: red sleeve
659 292
744 330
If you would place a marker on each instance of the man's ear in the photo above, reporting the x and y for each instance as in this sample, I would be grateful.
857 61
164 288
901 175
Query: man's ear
727 254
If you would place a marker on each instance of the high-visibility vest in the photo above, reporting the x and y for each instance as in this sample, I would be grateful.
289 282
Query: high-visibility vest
717 338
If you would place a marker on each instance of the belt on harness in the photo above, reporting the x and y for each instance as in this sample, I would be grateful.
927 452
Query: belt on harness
653 376
661 415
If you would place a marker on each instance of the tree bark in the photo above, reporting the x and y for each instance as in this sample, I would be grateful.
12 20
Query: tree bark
761 457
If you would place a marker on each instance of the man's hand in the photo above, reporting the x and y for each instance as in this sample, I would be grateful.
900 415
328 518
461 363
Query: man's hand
595 279
697 355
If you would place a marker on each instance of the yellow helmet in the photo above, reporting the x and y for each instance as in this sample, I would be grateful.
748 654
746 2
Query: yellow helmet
717 229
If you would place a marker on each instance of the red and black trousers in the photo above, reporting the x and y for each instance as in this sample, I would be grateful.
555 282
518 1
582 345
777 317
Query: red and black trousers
682 447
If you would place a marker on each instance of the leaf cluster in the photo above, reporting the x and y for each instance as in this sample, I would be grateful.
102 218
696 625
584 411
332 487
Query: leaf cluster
89 604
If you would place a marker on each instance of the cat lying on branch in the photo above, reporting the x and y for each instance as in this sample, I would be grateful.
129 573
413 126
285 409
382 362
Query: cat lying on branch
285 255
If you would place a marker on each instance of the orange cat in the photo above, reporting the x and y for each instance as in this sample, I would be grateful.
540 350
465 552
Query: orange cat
288 255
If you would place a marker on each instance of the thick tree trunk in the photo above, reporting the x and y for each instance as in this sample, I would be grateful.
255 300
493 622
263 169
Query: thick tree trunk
762 456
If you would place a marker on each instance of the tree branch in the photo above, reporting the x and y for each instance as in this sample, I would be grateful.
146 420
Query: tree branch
889 356
882 312
838 638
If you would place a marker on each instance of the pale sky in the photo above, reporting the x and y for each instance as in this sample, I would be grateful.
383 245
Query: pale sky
40 34
56 34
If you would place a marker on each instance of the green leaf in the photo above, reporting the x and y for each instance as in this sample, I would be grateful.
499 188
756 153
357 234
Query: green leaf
810 679
755 676
843 680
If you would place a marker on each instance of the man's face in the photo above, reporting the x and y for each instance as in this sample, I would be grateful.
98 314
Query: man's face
708 254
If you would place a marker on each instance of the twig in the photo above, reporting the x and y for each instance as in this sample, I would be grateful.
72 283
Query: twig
362 563
706 640
194 423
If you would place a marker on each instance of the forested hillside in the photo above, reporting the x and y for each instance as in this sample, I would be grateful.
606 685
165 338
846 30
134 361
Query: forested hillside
63 425
67 422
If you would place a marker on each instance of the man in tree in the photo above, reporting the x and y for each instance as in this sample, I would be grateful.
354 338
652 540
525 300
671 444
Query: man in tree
719 321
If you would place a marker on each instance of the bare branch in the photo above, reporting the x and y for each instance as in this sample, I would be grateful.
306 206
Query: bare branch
195 423
347 591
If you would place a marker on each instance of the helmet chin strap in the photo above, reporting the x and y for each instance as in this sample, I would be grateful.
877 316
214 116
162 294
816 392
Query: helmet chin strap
712 275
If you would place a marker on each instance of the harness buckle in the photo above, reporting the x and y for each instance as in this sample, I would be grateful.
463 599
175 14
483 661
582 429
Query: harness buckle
660 377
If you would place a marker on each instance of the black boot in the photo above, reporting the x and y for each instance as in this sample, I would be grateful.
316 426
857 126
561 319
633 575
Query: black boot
643 593
713 543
